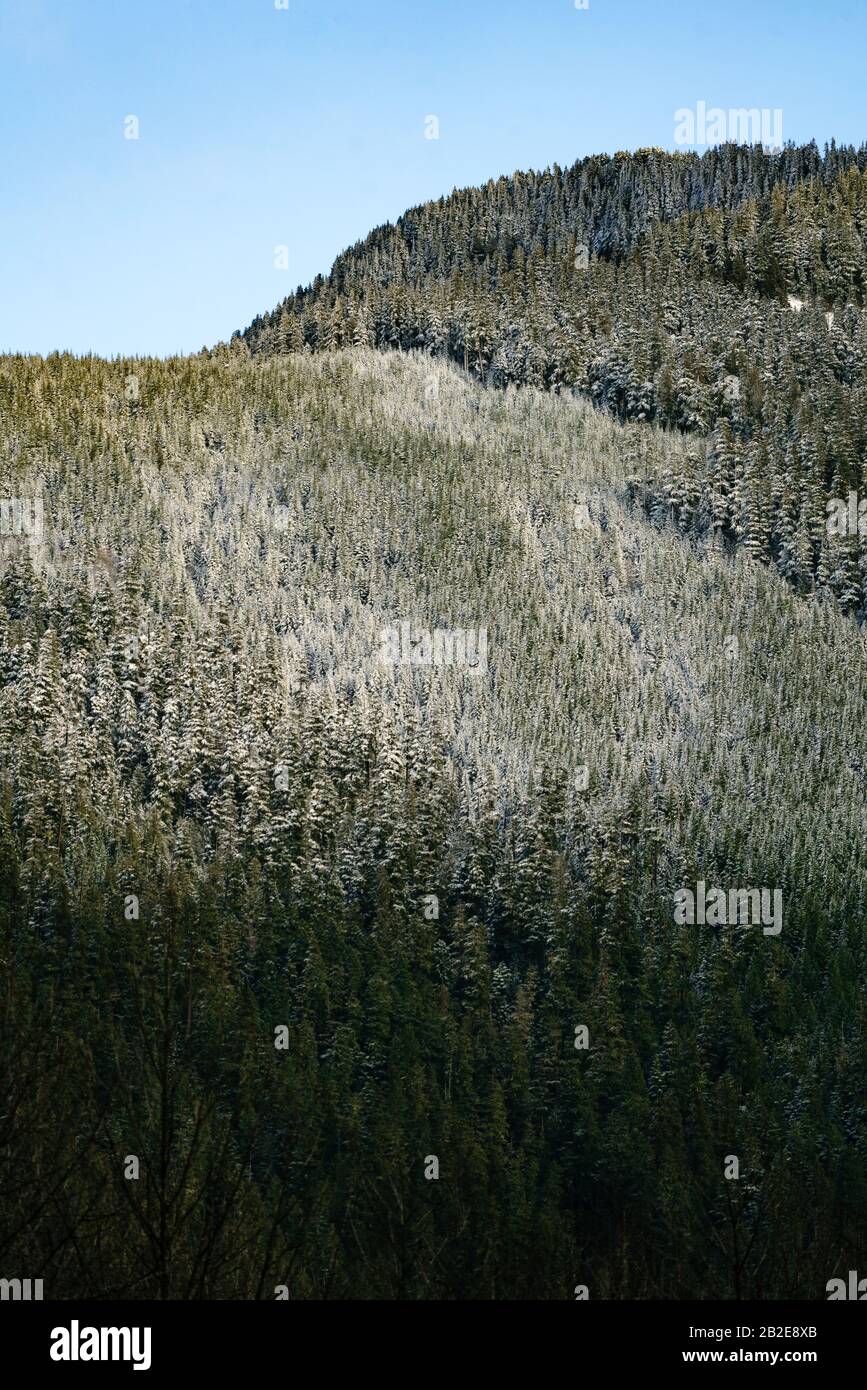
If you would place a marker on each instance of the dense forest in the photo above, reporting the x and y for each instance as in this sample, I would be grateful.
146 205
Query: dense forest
329 973
720 294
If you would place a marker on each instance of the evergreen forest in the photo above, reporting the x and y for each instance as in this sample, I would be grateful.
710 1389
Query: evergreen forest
372 683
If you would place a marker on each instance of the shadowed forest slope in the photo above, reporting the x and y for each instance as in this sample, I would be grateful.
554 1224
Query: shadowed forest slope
295 901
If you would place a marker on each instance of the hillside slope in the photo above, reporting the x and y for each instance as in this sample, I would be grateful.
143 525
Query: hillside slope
659 285
228 810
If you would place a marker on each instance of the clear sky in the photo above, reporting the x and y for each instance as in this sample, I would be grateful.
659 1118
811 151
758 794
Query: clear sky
304 127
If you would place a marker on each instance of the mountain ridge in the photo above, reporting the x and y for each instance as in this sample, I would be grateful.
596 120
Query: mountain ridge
682 319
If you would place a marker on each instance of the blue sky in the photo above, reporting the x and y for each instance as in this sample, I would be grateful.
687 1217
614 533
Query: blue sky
304 127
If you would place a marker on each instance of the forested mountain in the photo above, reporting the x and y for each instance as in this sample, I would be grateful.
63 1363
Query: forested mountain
299 937
720 295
